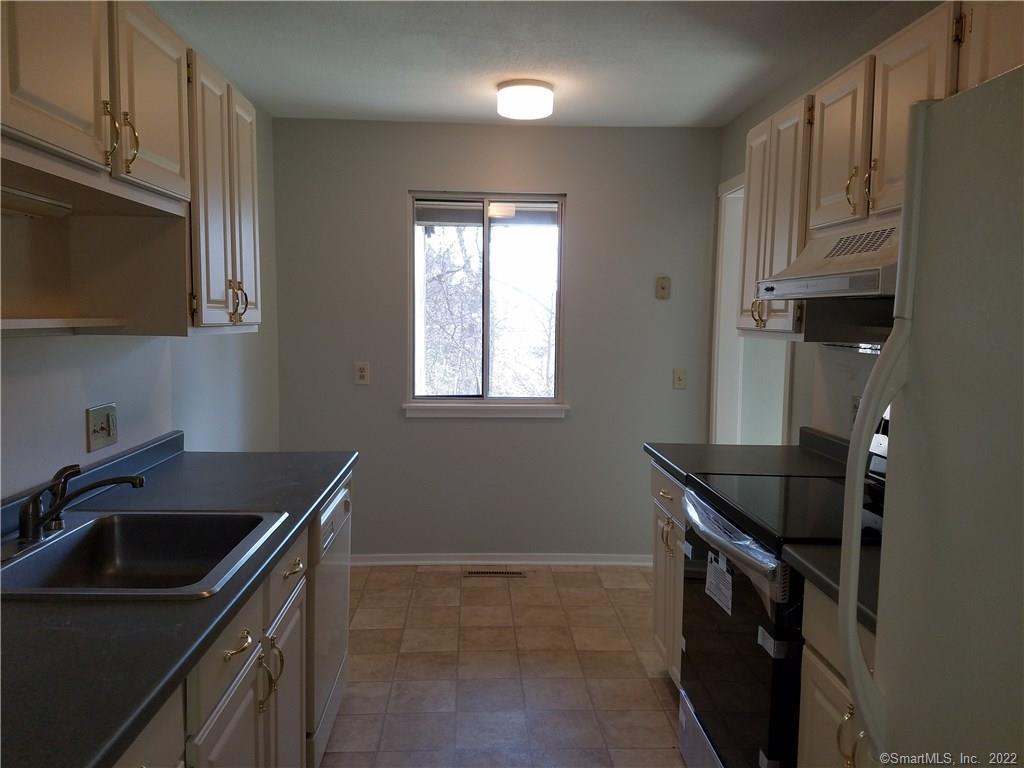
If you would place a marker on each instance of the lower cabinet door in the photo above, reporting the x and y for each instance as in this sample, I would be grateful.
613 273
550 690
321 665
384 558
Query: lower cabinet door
830 731
660 583
235 735
674 637
286 652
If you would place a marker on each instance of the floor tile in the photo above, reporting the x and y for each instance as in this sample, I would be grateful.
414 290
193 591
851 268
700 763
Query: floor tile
572 569
539 616
486 616
631 597
493 758
432 639
592 616
438 578
422 696
390 577
487 639
642 638
436 596
577 579
418 732
435 758
370 667
611 664
489 595
653 663
365 698
623 694
666 691
355 733
636 729
491 730
556 693
385 598
564 730
572 758
357 578
583 596
349 760
527 595
636 615
622 579
374 640
646 758
489 695
427 666
487 665
600 639
433 616
550 664
378 618
543 638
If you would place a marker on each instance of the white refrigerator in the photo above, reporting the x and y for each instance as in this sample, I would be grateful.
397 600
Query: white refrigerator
949 655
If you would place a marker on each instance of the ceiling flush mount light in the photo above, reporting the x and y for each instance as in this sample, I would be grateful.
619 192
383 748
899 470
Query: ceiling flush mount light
525 99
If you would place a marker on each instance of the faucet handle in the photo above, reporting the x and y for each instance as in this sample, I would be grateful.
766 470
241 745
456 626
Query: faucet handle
59 481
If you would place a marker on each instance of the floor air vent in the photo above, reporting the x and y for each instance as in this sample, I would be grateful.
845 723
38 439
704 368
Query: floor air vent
865 242
495 572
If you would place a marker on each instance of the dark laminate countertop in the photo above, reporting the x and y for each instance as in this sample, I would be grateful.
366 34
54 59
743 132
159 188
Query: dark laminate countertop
82 678
819 564
680 458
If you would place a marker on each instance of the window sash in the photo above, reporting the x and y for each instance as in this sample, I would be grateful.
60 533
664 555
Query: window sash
446 208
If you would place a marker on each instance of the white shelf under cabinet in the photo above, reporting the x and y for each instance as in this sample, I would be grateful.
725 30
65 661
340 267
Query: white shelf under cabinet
45 326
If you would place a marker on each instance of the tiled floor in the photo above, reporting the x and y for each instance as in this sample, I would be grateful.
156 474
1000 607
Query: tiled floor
554 670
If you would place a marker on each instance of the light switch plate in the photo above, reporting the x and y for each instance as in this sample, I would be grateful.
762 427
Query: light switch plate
361 373
663 287
678 378
100 426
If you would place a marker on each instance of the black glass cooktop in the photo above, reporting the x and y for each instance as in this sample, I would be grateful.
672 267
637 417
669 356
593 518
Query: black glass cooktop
777 510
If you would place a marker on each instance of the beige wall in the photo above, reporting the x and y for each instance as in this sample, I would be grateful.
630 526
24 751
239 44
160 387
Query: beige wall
640 202
222 390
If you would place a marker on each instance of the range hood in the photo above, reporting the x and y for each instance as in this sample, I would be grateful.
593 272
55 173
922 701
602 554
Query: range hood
853 264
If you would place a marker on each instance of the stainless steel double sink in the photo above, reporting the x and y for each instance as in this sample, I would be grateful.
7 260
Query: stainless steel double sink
138 555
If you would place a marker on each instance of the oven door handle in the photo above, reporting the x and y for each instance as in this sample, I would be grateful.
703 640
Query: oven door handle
741 549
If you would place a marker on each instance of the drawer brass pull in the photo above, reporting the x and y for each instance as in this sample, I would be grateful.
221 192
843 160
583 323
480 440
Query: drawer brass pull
669 525
115 134
135 136
297 567
246 638
280 655
849 181
666 496
262 704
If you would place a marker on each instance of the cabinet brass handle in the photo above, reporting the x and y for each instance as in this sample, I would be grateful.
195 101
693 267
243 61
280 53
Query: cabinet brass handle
867 182
115 134
280 655
297 567
753 313
849 181
245 296
135 137
847 718
761 319
262 704
853 754
246 638
666 496
669 525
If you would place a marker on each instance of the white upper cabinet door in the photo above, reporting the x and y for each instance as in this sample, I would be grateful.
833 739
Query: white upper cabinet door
152 88
914 65
212 259
841 146
755 194
56 77
786 214
993 41
245 208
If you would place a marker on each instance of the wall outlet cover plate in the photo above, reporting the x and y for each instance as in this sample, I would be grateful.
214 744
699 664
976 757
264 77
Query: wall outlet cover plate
100 426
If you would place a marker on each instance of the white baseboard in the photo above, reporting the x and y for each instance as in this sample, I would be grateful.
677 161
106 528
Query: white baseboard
501 558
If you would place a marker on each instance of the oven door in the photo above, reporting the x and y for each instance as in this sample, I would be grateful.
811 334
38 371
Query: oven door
740 674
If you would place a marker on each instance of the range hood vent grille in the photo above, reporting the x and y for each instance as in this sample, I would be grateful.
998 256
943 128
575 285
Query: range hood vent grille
863 242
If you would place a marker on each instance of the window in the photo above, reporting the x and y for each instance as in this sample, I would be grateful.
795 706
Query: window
485 298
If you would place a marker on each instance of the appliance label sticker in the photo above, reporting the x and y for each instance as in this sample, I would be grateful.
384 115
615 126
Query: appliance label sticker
718 584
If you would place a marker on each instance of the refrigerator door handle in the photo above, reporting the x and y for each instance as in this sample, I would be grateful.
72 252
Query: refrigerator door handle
886 379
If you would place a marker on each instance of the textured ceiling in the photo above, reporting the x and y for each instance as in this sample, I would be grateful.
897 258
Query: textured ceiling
612 63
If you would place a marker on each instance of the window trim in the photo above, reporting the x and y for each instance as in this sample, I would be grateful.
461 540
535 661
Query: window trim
482 406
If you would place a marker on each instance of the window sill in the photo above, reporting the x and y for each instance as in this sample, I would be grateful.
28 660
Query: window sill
471 410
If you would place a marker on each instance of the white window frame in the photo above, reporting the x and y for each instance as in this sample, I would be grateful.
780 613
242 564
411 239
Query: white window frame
483 406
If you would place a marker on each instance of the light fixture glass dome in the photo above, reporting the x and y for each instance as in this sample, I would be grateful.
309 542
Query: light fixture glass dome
525 99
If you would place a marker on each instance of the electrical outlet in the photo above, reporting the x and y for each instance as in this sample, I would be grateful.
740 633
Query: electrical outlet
662 287
100 426
678 378
362 373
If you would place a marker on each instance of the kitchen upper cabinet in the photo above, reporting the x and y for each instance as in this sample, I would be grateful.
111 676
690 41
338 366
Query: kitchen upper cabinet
914 65
245 207
56 78
775 212
151 101
225 205
993 41
235 735
285 645
755 198
841 145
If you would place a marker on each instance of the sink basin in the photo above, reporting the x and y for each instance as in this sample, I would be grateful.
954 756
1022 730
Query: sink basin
139 554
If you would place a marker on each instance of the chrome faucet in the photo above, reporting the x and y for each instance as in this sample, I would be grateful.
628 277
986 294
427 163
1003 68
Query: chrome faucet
36 521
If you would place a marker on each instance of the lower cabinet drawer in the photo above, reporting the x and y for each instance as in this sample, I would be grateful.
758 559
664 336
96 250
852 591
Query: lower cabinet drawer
821 629
668 492
225 659
284 577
